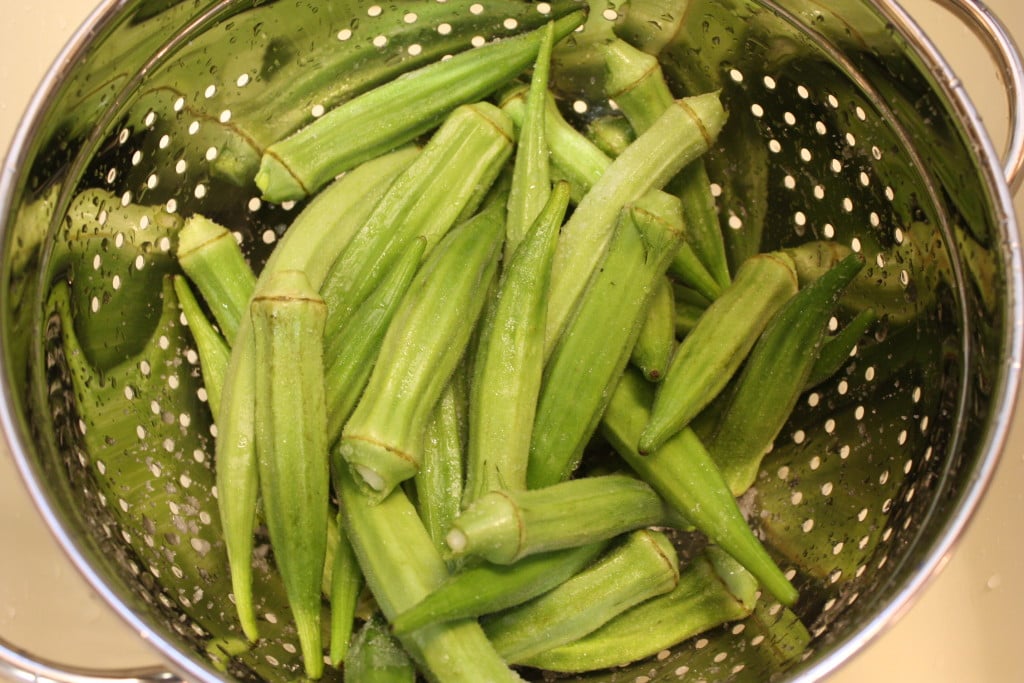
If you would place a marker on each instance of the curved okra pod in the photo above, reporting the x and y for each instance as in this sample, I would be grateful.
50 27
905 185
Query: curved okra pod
685 476
394 113
383 439
214 354
376 657
600 336
657 340
700 601
509 360
442 187
486 588
291 444
836 349
402 567
714 349
504 526
643 565
775 375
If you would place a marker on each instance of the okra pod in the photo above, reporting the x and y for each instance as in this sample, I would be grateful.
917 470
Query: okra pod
681 134
699 602
775 375
402 567
611 133
509 361
376 657
345 583
394 113
598 340
441 188
657 339
836 349
643 565
210 256
486 588
685 476
291 444
439 479
714 349
505 526
383 439
214 354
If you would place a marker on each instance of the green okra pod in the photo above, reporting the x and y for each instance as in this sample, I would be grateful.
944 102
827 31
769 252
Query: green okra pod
836 350
394 113
486 588
505 526
657 339
442 187
291 444
714 349
345 584
214 353
643 565
598 340
210 256
383 439
509 360
775 375
681 134
703 228
402 567
377 657
700 601
611 133
685 476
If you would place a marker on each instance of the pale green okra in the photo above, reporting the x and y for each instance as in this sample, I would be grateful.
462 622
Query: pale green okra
377 657
657 339
214 353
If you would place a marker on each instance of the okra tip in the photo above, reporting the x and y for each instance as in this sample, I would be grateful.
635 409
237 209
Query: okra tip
276 181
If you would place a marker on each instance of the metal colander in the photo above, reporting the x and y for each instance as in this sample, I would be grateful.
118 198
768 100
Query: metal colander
844 126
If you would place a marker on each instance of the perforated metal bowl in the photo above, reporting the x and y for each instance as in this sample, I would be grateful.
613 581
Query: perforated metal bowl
845 125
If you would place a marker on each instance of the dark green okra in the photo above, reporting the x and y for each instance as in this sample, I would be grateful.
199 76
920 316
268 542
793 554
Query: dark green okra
486 588
214 353
775 375
714 349
836 350
383 439
377 657
440 476
442 187
597 342
394 113
641 566
509 360
657 340
504 526
685 476
402 567
711 591
291 444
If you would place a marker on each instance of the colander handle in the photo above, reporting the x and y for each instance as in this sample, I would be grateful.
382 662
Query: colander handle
17 665
1006 53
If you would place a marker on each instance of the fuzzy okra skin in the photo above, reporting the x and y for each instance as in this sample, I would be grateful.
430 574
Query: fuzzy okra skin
377 657
504 526
444 185
685 476
291 444
394 113
486 588
214 353
775 375
509 361
657 339
383 439
402 567
717 345
597 342
643 565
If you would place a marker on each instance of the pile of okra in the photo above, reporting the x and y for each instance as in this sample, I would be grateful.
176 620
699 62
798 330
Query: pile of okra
410 389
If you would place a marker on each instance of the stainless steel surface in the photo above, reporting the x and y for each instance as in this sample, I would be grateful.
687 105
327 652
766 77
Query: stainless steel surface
994 562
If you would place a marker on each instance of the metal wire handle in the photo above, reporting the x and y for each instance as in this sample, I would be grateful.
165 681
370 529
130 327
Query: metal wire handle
17 665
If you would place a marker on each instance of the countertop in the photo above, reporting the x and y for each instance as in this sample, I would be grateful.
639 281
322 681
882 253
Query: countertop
965 627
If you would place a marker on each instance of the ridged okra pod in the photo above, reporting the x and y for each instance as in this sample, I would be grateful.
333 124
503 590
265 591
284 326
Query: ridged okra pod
377 657
485 588
383 439
505 526
657 339
442 187
214 354
345 582
680 135
213 261
643 565
685 476
394 113
708 594
775 375
597 342
836 350
402 567
291 444
509 361
714 349
439 479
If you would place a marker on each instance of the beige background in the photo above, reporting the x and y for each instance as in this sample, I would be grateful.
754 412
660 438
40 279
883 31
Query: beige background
966 627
